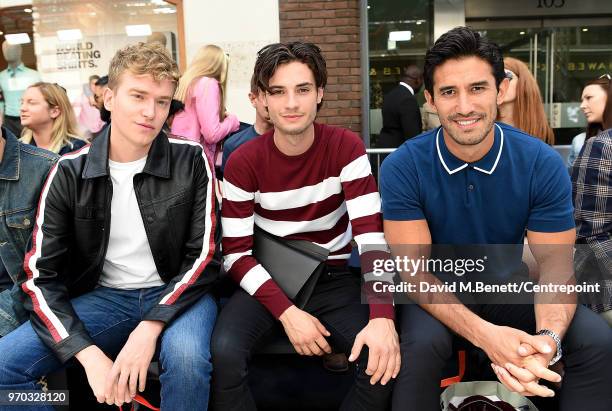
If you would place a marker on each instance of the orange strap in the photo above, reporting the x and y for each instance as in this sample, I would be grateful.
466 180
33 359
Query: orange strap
142 401
452 380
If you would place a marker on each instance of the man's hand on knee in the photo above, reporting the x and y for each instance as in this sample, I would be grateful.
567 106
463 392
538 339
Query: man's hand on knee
512 369
384 359
501 344
97 366
130 367
305 332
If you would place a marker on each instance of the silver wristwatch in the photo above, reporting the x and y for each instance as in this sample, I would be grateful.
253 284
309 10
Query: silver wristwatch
555 337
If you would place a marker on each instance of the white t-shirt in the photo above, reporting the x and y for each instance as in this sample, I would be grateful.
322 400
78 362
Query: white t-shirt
129 262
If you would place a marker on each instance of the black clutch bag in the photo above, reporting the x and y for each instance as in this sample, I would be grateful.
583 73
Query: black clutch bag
295 265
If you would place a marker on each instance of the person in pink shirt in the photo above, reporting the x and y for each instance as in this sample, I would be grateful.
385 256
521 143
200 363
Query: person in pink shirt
202 90
89 114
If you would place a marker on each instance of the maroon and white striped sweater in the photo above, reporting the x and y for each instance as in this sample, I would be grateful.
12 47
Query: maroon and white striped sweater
326 195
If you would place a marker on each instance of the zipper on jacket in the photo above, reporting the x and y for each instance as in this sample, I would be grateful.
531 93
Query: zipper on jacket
107 221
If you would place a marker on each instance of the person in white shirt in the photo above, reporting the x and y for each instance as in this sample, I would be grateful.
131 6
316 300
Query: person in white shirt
123 252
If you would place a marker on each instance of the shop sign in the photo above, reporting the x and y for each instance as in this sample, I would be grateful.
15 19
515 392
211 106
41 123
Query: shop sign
597 66
535 8
385 71
81 55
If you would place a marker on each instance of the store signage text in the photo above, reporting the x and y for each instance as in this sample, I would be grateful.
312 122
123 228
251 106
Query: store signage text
387 71
571 66
77 56
581 66
551 3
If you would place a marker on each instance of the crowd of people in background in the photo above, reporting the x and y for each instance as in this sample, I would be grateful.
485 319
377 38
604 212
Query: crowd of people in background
291 176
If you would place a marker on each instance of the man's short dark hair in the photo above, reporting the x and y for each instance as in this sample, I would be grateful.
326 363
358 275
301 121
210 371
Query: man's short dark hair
175 107
458 43
102 81
272 56
254 88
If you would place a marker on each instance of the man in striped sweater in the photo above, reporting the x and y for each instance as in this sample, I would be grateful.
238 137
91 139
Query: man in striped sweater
122 253
311 182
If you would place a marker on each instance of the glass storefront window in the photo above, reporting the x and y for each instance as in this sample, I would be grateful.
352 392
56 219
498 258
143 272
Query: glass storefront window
399 34
563 52
15 20
74 40
578 51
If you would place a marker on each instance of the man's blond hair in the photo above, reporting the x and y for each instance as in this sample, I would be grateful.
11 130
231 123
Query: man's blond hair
143 58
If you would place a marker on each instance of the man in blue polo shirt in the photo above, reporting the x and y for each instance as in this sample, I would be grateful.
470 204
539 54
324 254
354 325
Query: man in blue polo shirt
474 181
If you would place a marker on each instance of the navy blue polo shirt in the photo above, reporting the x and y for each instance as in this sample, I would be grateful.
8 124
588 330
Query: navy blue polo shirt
521 183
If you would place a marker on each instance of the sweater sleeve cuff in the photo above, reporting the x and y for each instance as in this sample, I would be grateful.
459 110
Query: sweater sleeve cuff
382 311
278 305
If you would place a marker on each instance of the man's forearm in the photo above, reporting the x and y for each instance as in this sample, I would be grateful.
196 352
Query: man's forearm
554 317
555 269
554 255
152 327
446 308
460 319
88 354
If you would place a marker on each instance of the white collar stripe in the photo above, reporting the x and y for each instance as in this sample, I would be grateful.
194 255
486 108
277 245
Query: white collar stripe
442 159
489 172
408 86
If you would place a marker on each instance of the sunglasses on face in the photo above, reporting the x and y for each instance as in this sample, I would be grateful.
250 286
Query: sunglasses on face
510 75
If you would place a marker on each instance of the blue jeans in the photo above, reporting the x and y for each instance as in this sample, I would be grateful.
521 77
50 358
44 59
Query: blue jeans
110 315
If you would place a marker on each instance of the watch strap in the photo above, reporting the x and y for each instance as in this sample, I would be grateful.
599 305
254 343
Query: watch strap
557 340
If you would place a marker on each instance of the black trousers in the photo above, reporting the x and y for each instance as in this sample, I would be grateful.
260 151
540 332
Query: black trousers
426 345
244 323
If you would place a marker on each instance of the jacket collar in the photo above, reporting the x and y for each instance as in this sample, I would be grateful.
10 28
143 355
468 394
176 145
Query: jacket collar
408 86
158 159
486 165
9 167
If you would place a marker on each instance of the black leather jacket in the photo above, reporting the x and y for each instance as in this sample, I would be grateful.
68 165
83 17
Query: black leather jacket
175 194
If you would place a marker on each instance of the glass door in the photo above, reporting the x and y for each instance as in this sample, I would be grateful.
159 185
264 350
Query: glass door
563 55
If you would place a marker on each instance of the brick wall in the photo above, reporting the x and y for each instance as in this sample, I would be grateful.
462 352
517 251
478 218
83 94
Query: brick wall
334 26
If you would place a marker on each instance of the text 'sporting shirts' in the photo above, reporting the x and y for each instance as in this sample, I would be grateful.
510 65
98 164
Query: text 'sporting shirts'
129 262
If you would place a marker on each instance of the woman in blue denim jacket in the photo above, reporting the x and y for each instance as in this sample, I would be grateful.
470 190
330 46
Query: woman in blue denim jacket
23 169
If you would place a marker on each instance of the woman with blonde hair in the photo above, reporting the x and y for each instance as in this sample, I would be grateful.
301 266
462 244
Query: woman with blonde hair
48 119
522 105
202 90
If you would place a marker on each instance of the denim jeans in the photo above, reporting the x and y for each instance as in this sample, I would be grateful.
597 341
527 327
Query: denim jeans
110 315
